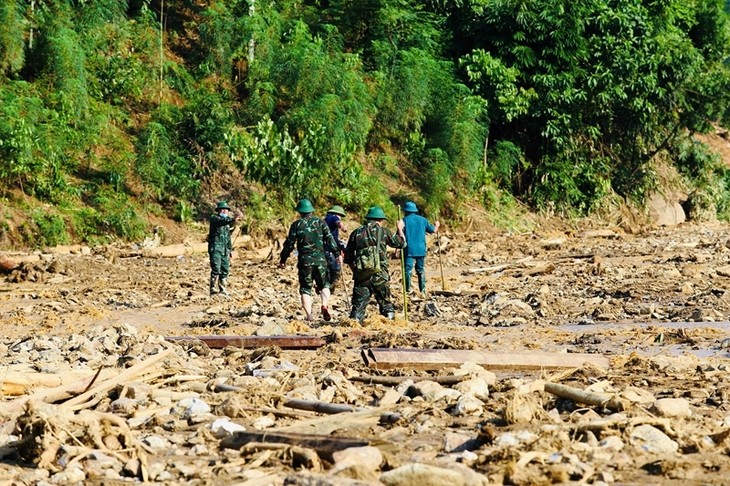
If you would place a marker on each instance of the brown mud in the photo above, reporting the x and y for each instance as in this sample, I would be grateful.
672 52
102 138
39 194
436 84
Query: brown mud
656 303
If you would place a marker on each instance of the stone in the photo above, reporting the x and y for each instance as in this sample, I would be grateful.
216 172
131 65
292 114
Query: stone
468 404
422 475
672 407
190 407
664 211
368 457
458 442
432 391
650 439
223 427
476 371
476 387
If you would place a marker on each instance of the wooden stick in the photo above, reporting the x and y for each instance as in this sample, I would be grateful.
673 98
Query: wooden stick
126 375
320 407
441 263
577 395
434 359
403 278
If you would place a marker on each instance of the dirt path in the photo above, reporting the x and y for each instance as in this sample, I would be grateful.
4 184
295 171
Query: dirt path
577 292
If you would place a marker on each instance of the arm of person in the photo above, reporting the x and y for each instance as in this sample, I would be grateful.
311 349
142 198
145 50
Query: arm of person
432 228
288 247
397 239
330 244
350 250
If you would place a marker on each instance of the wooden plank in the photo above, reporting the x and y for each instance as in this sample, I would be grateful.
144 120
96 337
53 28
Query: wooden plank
434 359
252 342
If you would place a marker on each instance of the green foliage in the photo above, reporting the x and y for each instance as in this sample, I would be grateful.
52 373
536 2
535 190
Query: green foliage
12 28
166 171
51 229
109 214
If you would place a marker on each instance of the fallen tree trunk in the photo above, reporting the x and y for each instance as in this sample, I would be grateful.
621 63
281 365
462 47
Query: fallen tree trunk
610 402
434 359
252 342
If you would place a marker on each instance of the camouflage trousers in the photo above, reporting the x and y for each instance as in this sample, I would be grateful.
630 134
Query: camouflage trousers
378 286
314 275
220 265
334 268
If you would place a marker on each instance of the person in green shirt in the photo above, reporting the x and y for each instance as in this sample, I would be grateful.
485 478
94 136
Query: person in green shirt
220 247
312 238
366 254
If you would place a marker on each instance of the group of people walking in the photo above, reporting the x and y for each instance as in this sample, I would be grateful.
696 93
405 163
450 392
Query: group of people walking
321 254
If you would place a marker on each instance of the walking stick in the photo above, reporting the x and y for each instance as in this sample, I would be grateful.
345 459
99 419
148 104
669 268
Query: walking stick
441 263
403 279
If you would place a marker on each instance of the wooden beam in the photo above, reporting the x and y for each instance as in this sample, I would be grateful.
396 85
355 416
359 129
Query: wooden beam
252 342
434 359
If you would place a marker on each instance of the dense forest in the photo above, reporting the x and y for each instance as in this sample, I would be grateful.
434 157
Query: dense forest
115 110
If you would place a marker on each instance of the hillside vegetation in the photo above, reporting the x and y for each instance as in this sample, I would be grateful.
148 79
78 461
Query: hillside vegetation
114 113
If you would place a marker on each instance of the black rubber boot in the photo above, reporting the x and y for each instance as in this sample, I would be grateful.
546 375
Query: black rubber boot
223 286
213 282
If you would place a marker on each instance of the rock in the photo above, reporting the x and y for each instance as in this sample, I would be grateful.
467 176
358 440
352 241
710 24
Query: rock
476 387
432 391
157 443
468 404
123 406
511 439
367 457
650 439
225 428
264 422
69 476
269 328
190 407
665 212
612 442
422 475
672 407
477 371
457 442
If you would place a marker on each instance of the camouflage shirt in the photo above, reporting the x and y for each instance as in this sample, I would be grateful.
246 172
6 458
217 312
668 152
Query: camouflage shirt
367 235
219 234
311 237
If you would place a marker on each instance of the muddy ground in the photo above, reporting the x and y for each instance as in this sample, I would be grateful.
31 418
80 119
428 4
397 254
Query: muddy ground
655 303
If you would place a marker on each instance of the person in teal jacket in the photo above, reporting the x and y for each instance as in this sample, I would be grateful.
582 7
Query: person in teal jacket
220 247
416 227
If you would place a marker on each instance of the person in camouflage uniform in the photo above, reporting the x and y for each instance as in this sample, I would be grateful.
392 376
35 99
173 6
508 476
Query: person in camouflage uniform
312 238
334 260
372 233
220 247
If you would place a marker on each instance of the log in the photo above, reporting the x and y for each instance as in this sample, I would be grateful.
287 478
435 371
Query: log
50 395
320 407
323 444
33 379
125 376
397 380
577 395
434 359
253 342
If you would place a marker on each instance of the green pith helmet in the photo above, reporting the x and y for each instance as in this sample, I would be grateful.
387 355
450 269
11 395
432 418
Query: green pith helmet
304 206
337 210
222 205
376 212
410 207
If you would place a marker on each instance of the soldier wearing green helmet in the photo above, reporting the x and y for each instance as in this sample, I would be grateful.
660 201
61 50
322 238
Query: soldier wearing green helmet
312 238
366 254
220 247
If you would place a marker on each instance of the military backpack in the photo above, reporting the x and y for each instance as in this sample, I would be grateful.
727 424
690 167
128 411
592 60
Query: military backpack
367 258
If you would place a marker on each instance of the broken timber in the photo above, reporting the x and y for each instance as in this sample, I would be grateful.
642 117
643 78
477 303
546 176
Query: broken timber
252 342
434 359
